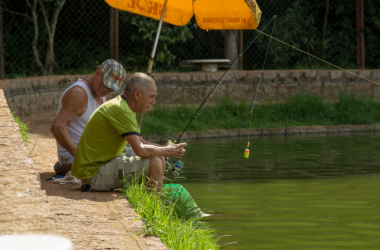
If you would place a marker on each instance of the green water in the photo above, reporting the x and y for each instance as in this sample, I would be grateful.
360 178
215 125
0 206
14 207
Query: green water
295 192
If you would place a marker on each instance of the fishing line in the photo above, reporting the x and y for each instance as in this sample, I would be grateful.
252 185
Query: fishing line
213 90
177 166
246 152
231 119
223 76
280 41
331 64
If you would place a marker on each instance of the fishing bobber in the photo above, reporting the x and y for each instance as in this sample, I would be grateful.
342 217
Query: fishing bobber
246 153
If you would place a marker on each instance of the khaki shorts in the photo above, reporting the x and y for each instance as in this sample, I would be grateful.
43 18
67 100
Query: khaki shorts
111 174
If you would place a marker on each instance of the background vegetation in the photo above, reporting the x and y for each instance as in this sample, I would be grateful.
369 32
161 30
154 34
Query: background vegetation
301 109
323 28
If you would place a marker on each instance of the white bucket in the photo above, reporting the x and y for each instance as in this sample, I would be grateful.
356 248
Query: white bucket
34 242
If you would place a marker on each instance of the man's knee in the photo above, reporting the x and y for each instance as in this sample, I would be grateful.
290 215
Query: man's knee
156 164
155 161
62 169
163 160
163 163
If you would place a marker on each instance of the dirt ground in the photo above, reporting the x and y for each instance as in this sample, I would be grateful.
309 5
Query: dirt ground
92 220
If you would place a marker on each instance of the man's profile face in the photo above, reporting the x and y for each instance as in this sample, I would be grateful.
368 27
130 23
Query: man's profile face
102 90
147 98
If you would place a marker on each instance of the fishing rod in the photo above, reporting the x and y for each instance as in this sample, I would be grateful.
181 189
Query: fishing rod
223 76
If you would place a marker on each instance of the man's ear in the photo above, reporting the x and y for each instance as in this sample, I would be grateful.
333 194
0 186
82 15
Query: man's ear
98 72
137 94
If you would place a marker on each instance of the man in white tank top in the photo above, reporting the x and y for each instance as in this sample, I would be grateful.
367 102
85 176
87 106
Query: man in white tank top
77 104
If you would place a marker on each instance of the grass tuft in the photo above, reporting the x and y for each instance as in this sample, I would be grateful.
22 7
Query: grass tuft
23 128
167 219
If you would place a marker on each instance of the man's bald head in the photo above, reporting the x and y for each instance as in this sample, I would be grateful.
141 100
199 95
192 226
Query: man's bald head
138 81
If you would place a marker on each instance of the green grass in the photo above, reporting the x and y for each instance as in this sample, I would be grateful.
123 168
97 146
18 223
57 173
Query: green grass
23 128
164 217
299 110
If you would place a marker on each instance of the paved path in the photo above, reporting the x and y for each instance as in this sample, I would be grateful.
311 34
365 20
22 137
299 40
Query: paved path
23 205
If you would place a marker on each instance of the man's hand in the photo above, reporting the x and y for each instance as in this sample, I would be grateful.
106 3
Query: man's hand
169 142
176 150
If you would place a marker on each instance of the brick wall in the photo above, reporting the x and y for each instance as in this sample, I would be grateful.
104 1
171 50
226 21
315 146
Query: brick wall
41 94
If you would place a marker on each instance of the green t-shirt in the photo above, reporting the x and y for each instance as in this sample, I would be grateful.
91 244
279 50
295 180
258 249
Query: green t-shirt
103 137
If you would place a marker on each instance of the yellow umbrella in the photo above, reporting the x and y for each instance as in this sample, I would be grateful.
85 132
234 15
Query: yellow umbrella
209 14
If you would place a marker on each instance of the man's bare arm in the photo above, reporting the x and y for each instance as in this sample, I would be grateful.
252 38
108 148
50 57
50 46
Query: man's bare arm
74 103
149 150
158 145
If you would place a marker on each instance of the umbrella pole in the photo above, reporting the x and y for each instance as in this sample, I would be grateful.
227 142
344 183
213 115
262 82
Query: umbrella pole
150 65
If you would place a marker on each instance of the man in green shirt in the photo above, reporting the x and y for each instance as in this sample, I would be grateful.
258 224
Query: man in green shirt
111 127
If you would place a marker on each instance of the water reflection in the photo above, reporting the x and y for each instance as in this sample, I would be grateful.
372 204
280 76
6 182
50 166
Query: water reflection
295 192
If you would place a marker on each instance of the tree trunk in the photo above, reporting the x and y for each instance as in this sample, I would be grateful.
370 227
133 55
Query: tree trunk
2 67
326 18
325 25
49 60
360 60
231 46
114 33
48 66
33 9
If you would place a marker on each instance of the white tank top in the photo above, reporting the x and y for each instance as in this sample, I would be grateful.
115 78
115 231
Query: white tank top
77 125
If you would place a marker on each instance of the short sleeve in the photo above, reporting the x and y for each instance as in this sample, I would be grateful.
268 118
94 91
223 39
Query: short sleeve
125 123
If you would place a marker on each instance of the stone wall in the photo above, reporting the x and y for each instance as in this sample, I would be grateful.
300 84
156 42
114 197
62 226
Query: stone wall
41 94
35 95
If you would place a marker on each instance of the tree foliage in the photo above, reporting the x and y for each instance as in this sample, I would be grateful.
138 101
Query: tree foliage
81 39
142 33
301 24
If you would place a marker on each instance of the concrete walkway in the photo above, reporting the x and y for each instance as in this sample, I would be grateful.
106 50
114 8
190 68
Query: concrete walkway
23 205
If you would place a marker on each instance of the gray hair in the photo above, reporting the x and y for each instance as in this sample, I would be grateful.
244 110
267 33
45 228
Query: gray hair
139 81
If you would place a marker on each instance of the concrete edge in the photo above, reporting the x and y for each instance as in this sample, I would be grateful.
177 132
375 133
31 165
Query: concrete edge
24 207
319 129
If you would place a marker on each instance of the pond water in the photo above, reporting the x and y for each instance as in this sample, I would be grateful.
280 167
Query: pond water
294 192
